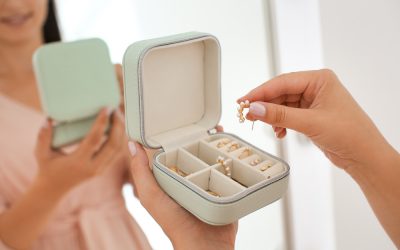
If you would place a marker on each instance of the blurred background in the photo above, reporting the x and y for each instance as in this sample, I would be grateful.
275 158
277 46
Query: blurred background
359 40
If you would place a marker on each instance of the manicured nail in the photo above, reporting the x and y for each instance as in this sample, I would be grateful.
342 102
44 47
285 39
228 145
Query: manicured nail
109 111
45 124
132 148
120 114
257 109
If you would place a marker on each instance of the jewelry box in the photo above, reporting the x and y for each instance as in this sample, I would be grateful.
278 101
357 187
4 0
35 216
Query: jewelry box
173 103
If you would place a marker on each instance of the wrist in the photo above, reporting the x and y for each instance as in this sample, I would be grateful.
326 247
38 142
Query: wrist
196 245
49 190
201 242
378 162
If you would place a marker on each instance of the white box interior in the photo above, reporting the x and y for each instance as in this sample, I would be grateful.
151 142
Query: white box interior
180 85
198 160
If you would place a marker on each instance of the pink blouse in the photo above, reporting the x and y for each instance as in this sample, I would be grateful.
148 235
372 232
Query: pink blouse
91 216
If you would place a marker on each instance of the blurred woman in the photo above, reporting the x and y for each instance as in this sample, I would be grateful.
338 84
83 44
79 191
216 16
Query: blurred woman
48 199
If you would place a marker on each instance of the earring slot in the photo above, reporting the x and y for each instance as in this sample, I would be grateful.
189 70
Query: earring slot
220 143
272 171
242 174
212 183
182 163
204 152
231 147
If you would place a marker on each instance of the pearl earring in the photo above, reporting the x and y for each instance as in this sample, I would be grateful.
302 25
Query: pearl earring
221 160
242 106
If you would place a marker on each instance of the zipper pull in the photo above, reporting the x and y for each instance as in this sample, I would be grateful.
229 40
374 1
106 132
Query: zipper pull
212 131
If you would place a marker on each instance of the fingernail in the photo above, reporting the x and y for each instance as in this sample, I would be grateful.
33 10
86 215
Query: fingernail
257 109
109 111
132 148
47 123
119 114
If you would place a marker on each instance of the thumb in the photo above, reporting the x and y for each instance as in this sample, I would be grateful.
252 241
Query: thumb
151 196
281 116
147 188
43 148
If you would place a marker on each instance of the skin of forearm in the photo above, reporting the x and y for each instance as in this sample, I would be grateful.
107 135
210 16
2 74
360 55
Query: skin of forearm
22 224
379 182
202 245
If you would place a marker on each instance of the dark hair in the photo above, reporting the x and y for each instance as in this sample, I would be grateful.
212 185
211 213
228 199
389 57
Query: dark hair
51 32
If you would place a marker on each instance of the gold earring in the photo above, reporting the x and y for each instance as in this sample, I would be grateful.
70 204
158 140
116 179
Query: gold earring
233 147
263 168
177 171
245 153
242 106
221 160
223 142
255 162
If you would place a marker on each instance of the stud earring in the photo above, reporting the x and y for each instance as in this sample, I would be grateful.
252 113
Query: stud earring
221 160
245 153
223 142
233 147
255 162
242 106
177 171
263 168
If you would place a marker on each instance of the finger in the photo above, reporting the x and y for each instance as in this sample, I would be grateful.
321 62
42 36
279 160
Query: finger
286 98
112 148
43 148
292 104
281 134
278 129
287 84
118 72
149 192
281 116
91 143
120 78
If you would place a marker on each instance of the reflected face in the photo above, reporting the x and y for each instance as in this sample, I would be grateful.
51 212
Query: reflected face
21 20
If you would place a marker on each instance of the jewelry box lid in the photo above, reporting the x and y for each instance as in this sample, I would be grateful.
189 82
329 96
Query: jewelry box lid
172 88
75 79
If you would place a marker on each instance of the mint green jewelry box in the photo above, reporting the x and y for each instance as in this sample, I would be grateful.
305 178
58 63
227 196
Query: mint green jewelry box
75 80
172 103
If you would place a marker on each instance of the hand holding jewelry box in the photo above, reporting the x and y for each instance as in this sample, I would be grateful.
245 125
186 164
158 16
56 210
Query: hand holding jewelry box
215 176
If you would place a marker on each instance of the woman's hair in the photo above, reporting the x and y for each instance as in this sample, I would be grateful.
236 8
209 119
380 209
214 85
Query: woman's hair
51 32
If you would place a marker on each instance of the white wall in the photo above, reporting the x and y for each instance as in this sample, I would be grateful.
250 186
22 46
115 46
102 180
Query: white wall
310 215
361 42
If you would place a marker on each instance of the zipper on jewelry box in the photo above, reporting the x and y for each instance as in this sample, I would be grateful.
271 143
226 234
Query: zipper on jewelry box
212 131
